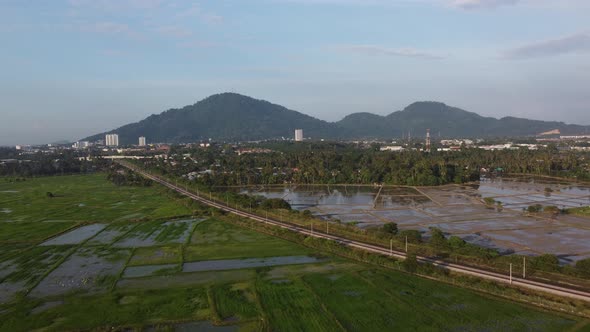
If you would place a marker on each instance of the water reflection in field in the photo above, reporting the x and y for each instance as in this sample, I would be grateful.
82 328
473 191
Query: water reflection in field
456 209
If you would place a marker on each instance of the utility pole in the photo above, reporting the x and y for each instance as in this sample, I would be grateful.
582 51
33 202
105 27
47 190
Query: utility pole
312 227
266 216
523 267
327 227
511 273
390 247
406 244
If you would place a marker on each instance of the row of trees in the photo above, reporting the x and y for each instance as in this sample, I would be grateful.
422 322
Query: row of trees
122 177
44 164
342 163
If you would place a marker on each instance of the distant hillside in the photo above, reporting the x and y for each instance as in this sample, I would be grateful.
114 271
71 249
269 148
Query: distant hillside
234 117
226 116
448 122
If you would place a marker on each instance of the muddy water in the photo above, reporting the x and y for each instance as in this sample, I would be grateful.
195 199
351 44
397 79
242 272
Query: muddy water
146 270
236 264
75 236
82 271
457 210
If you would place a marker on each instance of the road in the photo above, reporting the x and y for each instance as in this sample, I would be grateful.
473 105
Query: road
519 282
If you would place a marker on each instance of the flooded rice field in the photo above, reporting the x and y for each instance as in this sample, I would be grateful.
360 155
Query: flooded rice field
458 210
147 270
89 269
23 271
150 234
75 236
236 264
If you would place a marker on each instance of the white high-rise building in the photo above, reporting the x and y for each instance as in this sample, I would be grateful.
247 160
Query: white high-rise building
112 140
298 135
142 141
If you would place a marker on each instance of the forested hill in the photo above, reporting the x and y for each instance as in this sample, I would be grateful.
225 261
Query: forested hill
447 121
235 117
226 116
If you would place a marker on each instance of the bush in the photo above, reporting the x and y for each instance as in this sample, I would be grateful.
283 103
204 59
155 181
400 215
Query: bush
456 242
413 236
307 214
437 238
390 228
275 203
535 208
410 264
546 262
551 209
583 266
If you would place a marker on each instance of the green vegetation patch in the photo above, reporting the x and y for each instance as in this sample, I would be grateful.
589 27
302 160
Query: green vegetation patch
31 265
156 255
291 306
185 280
214 239
31 232
582 211
380 301
235 302
92 312
89 198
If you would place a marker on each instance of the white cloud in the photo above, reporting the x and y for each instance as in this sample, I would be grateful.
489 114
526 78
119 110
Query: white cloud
483 4
401 52
577 43
199 13
116 5
174 31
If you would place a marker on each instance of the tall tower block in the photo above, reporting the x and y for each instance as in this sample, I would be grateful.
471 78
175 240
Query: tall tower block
427 140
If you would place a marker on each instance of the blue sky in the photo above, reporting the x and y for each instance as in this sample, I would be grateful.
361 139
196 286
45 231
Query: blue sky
71 68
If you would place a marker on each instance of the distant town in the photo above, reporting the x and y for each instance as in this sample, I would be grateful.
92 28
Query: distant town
110 146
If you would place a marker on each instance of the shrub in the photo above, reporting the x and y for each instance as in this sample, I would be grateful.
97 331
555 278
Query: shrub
276 203
410 264
535 208
546 262
413 236
437 238
390 228
583 266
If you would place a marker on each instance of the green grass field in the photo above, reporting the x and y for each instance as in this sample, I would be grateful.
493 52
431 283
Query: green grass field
157 255
89 198
374 300
212 239
581 211
334 294
235 302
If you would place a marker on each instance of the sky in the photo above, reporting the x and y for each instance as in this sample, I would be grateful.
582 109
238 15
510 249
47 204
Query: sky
72 68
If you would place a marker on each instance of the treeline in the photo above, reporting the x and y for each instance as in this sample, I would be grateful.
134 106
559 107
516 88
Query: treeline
348 163
44 164
120 176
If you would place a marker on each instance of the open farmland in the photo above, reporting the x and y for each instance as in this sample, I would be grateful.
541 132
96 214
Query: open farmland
173 271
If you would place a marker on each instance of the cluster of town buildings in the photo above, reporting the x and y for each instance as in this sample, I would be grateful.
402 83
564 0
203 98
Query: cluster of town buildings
112 141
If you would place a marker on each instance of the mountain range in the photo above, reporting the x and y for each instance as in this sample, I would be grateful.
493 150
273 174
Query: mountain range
235 117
